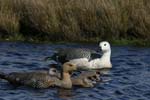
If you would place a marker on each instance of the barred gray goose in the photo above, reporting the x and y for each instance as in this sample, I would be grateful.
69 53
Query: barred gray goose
41 79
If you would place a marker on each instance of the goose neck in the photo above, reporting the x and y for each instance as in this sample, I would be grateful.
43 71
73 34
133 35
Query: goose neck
106 55
65 76
66 80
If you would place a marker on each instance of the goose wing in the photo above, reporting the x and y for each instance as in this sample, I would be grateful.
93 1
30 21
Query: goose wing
32 79
66 54
95 56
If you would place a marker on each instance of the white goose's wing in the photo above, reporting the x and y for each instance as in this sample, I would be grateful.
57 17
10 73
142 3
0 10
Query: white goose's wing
95 56
67 54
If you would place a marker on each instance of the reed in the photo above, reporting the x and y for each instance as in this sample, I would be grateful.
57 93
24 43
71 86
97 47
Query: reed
75 20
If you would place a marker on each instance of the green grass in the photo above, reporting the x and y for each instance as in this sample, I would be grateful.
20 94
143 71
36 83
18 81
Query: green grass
125 22
135 42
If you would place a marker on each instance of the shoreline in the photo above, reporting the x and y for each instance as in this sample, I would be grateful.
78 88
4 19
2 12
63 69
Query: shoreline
119 42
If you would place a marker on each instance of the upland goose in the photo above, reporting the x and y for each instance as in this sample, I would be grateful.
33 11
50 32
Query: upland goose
41 79
85 58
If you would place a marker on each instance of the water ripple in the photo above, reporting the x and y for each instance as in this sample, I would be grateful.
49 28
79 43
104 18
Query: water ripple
128 79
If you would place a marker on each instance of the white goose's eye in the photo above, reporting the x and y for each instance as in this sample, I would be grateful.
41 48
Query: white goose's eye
104 44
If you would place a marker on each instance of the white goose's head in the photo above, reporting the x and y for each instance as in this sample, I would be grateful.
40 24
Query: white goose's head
105 59
105 46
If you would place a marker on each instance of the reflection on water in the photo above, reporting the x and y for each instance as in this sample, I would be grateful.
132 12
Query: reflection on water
128 79
65 93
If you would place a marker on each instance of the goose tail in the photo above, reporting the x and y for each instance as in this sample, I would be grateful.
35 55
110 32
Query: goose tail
3 75
47 58
53 57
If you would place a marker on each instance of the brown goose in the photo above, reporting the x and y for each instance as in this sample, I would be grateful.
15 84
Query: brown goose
84 79
41 79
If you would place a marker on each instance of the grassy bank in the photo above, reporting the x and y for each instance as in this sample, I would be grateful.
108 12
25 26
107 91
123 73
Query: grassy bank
119 21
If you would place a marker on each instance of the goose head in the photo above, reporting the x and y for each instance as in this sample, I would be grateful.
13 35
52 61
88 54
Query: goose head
53 71
69 67
95 77
105 46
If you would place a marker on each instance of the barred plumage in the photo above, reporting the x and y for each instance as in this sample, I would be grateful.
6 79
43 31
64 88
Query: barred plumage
66 54
32 79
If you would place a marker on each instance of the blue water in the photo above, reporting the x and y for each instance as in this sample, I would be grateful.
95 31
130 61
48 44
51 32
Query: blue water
129 79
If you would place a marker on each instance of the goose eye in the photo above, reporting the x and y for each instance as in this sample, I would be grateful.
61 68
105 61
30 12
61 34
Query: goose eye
94 76
97 72
89 78
70 65
54 70
104 44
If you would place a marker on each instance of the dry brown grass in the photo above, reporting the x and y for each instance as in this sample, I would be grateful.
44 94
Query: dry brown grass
75 19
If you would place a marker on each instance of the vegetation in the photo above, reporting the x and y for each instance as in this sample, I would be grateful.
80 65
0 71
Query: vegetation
75 20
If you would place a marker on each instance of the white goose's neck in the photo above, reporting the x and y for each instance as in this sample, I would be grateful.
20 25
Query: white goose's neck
103 62
106 56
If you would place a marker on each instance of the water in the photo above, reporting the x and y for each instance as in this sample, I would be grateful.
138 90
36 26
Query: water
129 79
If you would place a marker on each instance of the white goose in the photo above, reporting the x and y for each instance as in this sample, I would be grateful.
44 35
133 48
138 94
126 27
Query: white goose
85 58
